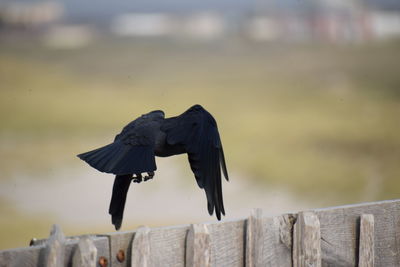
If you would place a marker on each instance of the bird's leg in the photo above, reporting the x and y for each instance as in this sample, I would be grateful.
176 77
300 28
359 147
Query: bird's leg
137 178
149 176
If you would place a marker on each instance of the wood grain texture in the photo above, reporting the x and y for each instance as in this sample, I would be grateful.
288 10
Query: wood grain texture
227 246
141 248
340 228
366 244
254 239
307 240
34 255
198 246
277 241
29 257
168 246
85 254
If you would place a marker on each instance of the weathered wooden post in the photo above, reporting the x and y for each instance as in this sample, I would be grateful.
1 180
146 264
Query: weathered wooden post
54 250
141 248
307 241
366 245
198 252
254 239
85 253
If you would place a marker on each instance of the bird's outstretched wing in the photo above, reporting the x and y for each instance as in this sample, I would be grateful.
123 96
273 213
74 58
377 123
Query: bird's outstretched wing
197 131
132 150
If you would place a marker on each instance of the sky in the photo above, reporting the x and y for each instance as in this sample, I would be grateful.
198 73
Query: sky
107 9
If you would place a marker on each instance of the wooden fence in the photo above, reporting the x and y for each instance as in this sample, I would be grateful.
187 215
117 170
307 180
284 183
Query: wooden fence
366 234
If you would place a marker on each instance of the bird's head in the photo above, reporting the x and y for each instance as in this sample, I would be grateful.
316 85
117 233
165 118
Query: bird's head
156 113
196 107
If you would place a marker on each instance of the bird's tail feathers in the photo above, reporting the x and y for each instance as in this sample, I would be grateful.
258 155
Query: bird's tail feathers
118 199
119 159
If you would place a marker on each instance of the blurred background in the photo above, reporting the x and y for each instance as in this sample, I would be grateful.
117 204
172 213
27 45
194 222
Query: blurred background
306 94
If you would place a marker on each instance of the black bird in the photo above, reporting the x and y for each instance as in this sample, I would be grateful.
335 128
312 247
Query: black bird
133 152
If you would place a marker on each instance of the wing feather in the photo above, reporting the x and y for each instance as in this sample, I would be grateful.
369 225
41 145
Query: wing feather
197 131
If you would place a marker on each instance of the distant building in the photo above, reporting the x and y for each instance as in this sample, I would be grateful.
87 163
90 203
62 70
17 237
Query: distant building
384 24
199 26
143 24
29 14
203 26
333 21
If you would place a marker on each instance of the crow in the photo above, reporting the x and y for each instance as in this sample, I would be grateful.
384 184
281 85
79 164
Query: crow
133 153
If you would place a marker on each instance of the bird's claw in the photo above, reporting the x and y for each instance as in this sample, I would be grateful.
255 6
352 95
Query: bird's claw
149 176
138 178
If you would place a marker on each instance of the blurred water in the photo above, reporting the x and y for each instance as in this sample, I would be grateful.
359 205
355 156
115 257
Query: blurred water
81 197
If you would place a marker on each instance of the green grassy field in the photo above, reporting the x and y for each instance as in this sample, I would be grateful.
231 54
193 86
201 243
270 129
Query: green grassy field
321 120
